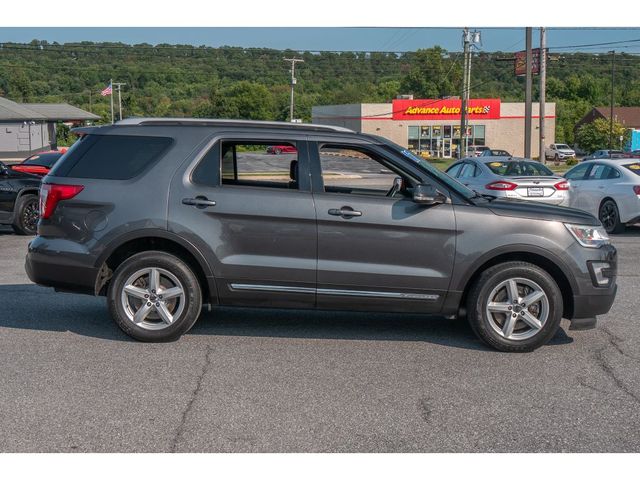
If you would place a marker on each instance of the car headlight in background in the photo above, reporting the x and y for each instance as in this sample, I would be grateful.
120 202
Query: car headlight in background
588 235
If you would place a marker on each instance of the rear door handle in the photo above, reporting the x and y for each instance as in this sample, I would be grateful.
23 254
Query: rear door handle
199 202
345 212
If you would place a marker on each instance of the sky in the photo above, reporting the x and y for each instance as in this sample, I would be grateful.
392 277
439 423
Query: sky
330 38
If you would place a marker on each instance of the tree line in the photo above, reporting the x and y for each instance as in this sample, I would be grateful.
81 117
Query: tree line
253 83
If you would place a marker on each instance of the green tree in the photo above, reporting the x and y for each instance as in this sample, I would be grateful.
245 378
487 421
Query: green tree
595 135
432 75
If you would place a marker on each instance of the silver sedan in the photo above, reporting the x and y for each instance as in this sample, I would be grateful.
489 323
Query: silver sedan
517 178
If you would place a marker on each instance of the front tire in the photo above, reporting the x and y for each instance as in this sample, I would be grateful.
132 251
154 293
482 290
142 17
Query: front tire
515 307
26 215
609 216
154 297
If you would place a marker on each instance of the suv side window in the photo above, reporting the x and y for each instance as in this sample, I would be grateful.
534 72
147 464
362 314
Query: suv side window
359 171
258 163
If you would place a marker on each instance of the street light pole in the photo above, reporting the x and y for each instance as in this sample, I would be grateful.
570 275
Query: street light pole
543 92
527 95
293 82
469 39
613 60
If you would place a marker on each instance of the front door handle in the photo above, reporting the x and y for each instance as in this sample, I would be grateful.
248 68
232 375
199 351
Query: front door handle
345 212
199 202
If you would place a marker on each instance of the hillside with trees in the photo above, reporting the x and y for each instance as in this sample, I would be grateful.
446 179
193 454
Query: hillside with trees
252 83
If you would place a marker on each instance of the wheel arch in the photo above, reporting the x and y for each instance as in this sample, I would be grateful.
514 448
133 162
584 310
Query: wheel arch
536 256
129 244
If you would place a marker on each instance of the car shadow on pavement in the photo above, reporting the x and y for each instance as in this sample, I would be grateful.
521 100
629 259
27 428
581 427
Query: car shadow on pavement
30 307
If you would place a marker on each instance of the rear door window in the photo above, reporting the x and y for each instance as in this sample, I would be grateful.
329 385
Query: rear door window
111 157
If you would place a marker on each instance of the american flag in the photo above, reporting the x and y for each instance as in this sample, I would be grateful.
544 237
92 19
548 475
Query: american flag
106 91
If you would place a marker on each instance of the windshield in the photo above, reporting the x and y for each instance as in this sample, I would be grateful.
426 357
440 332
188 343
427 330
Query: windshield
452 183
44 159
518 169
563 146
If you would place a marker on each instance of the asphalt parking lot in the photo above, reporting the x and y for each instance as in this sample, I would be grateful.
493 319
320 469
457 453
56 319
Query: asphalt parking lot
271 381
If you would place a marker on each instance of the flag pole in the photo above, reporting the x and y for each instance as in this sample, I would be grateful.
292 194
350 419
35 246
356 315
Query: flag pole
111 96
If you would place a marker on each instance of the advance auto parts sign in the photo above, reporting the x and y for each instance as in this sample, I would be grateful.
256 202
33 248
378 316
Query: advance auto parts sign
477 108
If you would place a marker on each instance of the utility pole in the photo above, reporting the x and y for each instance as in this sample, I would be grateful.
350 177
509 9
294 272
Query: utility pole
111 99
469 39
543 92
527 95
90 103
119 98
613 60
293 82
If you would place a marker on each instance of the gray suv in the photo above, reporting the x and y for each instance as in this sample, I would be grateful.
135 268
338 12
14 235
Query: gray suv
165 216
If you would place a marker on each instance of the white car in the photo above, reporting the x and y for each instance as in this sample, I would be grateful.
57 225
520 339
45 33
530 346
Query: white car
559 151
607 189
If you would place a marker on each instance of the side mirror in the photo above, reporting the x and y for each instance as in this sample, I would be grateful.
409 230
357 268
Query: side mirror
426 194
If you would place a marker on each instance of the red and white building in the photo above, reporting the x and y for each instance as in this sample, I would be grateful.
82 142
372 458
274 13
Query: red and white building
429 125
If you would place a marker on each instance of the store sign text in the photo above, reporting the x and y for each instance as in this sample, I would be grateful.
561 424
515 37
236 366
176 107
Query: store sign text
445 109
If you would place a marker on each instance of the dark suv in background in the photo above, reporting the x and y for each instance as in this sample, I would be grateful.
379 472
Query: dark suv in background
19 200
165 215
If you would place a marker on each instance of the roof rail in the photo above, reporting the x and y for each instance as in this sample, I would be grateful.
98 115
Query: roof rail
213 122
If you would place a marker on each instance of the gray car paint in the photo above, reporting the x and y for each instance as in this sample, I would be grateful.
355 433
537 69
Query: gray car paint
270 247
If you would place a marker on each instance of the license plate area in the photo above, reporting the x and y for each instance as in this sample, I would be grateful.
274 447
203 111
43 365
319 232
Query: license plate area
535 192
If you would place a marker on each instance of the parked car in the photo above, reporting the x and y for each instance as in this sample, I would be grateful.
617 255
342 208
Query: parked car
632 154
495 153
559 151
476 150
156 215
603 154
609 190
40 163
278 149
513 178
19 200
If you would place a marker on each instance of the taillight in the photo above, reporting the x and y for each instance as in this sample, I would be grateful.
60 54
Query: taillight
563 185
52 193
636 189
500 185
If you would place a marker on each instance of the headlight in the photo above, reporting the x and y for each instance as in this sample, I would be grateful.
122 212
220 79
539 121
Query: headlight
588 235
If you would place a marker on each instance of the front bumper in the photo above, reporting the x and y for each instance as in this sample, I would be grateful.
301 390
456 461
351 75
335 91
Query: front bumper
592 299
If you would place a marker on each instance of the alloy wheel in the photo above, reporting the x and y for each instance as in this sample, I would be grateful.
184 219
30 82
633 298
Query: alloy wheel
30 216
608 216
153 298
517 308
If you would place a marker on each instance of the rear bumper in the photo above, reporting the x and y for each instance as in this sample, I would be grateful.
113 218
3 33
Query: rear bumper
60 272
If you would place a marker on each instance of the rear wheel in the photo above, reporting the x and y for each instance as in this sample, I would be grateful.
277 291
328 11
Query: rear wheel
515 307
610 217
26 215
154 297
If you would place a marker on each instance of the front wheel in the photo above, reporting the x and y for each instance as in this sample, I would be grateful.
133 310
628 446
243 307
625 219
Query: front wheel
154 297
609 215
26 215
515 307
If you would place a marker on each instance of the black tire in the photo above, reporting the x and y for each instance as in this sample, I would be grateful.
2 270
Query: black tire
609 216
490 279
26 215
188 281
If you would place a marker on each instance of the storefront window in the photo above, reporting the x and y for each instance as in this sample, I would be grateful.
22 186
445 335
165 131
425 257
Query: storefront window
414 138
447 131
436 131
425 132
478 135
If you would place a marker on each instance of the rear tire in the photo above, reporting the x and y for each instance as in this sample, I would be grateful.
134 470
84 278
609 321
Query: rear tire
609 216
498 318
154 297
26 215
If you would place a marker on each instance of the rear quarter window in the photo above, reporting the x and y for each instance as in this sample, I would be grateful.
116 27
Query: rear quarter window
111 157
633 167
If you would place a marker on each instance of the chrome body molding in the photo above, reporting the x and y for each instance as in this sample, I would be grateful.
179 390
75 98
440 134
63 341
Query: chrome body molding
332 291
